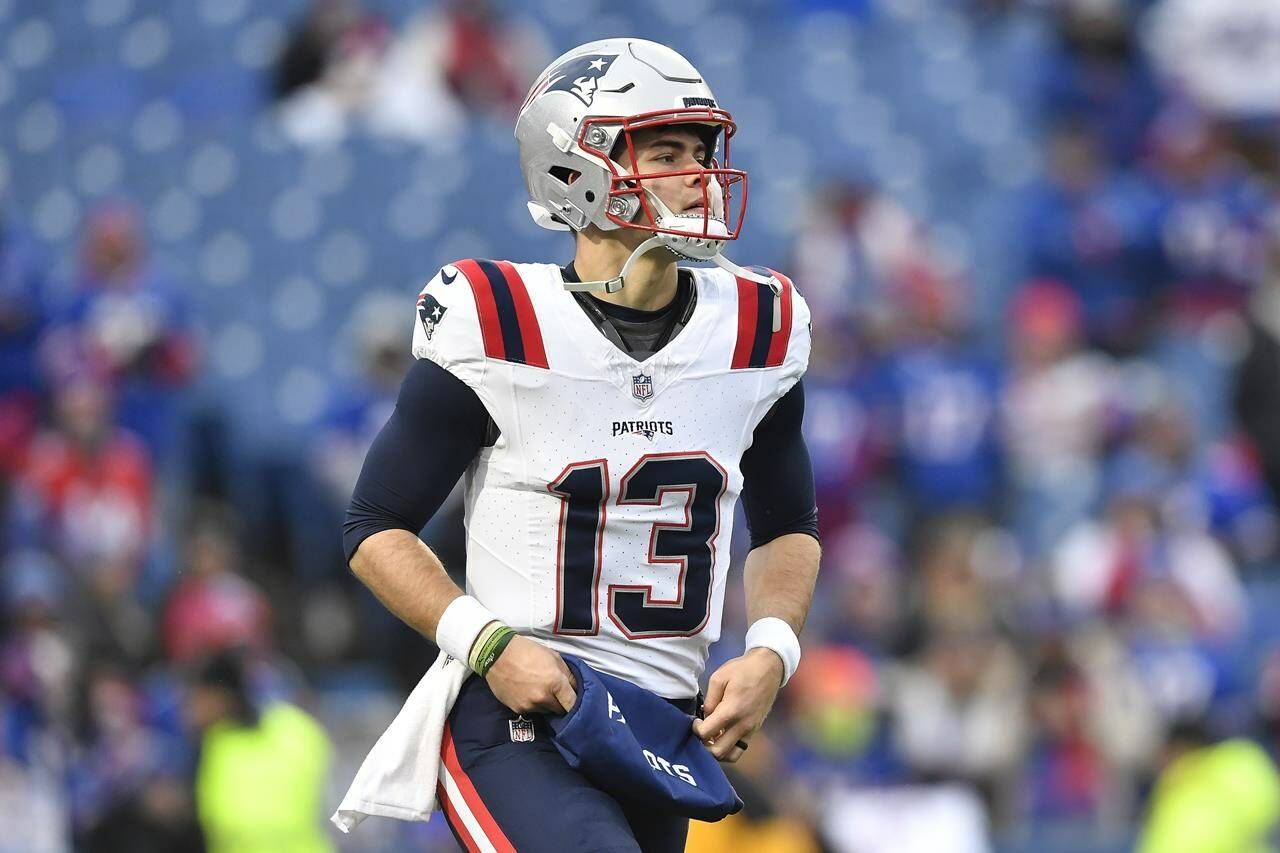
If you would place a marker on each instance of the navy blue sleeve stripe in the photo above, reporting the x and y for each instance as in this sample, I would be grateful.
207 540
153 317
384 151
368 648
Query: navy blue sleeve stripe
437 428
508 319
764 326
777 492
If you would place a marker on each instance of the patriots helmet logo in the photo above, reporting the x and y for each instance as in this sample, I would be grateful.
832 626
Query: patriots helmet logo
430 312
578 76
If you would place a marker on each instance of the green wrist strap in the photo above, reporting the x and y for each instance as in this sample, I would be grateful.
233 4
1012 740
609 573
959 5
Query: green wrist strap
492 648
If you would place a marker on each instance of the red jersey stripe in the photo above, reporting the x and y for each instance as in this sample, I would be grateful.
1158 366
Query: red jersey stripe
486 308
782 337
530 333
747 308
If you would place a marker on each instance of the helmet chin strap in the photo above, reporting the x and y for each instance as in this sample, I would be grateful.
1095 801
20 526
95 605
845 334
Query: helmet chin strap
665 215
614 284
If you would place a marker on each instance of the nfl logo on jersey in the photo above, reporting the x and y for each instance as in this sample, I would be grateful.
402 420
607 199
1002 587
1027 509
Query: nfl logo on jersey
642 386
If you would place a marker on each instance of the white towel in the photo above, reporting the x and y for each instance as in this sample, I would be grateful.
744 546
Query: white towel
398 776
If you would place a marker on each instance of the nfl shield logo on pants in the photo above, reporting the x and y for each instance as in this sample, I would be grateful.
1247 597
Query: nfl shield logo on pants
642 386
521 730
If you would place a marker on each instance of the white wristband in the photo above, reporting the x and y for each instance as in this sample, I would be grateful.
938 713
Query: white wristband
775 634
460 624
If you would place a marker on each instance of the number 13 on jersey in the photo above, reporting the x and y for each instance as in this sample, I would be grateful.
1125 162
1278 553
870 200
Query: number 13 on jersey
687 543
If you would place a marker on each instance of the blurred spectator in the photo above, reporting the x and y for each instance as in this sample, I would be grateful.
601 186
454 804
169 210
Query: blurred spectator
38 664
1098 76
261 776
1257 381
1065 766
314 42
1093 228
1206 486
959 714
862 590
214 607
329 69
359 405
1093 731
1122 722
464 58
483 66
1212 796
1211 207
849 433
856 250
1055 403
1141 565
130 782
838 734
91 484
129 323
943 396
23 315
963 578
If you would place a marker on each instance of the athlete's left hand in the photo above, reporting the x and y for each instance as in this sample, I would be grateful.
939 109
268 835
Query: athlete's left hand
740 695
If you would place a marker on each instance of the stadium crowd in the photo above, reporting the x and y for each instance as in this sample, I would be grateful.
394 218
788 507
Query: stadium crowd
1044 616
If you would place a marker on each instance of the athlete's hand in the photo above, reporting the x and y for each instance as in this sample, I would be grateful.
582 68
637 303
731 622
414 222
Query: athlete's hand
740 695
530 678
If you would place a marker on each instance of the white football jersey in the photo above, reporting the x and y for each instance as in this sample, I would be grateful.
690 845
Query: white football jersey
599 522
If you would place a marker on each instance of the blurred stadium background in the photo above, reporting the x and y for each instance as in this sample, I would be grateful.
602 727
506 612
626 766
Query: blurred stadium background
1042 247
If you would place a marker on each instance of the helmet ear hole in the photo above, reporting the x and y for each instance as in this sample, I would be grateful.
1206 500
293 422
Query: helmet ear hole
564 174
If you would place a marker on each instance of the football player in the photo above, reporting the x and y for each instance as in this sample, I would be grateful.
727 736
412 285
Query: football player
605 417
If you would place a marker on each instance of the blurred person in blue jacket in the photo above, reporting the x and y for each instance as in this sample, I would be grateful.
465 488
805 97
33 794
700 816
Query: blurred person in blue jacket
131 323
1211 211
941 394
1098 73
1092 226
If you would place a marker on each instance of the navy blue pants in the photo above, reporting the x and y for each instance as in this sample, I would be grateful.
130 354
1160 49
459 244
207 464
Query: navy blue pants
497 793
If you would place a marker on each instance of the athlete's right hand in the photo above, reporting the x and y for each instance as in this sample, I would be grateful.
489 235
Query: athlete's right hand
530 678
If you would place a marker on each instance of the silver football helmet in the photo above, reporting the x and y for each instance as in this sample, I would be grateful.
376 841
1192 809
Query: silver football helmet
578 159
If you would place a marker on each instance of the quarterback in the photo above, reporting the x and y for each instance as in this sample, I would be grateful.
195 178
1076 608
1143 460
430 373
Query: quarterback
605 417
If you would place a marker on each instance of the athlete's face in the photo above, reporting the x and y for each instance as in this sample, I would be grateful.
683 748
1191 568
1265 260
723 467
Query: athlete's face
670 149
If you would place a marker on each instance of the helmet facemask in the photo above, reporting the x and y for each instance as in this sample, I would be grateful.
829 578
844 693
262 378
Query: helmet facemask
697 234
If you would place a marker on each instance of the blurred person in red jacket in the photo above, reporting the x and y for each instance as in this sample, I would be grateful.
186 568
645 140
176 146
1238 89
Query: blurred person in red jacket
90 485
214 607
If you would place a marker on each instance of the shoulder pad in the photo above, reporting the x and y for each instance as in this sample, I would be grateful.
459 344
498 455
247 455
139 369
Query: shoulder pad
773 330
494 318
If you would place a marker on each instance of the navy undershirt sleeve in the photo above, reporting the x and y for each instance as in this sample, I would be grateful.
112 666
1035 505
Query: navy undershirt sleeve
436 430
777 490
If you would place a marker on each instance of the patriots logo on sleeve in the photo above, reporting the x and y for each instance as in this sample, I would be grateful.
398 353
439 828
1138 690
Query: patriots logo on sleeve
430 312
578 76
